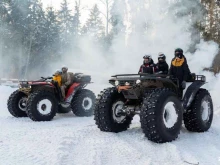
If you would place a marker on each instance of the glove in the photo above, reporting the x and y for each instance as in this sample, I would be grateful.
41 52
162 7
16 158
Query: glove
183 84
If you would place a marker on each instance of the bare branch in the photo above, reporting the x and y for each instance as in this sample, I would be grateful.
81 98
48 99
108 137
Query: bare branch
103 14
192 163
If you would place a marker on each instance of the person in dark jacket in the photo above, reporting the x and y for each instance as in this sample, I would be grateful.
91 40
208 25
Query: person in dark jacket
179 68
148 65
162 66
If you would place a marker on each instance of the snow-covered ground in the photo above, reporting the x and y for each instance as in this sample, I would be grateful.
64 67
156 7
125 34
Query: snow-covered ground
71 140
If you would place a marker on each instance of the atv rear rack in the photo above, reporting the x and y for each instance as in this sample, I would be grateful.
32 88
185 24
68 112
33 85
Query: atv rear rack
200 78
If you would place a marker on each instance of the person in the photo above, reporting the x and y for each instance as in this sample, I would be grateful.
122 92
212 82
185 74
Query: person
162 66
57 77
148 65
65 80
179 68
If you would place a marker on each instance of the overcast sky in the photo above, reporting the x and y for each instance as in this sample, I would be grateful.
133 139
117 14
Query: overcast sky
85 4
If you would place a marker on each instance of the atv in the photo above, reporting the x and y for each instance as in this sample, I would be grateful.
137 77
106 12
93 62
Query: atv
40 100
159 102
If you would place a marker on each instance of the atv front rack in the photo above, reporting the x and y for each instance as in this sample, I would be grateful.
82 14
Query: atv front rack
195 77
142 75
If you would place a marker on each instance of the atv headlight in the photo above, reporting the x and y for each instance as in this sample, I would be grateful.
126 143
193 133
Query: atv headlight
116 82
138 81
127 83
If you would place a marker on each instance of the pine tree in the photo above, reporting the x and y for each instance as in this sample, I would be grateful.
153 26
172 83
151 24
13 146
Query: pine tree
108 5
66 25
117 20
52 36
76 20
36 39
4 32
19 33
94 25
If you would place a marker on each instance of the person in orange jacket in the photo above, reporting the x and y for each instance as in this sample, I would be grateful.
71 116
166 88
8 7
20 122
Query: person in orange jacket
57 77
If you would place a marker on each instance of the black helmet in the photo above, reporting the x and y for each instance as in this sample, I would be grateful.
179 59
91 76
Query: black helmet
161 56
178 52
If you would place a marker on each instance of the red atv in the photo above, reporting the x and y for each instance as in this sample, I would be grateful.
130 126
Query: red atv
41 100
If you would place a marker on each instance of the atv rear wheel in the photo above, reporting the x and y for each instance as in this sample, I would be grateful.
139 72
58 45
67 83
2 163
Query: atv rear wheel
42 106
199 117
17 104
107 112
83 103
161 116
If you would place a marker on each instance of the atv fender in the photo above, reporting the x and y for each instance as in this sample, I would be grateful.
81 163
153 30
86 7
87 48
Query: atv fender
71 92
190 93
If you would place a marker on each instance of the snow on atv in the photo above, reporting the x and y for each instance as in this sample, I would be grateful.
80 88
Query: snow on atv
158 101
41 100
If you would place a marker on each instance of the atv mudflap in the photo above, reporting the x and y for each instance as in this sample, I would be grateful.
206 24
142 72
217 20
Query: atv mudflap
129 92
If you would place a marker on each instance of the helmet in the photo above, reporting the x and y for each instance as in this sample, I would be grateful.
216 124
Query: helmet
178 52
161 56
147 57
58 71
64 67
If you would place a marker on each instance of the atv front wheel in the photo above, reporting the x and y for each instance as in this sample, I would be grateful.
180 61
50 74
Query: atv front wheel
42 106
199 117
83 103
161 116
107 112
17 104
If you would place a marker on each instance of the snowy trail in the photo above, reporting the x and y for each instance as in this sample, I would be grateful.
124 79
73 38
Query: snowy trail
70 140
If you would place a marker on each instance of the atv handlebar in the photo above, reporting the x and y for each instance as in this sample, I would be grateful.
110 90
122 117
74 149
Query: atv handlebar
46 78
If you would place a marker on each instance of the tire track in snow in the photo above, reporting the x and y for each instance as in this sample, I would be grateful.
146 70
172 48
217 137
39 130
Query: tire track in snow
79 148
96 148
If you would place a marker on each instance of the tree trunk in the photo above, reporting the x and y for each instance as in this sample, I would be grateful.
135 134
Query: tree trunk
28 58
1 56
212 19
107 16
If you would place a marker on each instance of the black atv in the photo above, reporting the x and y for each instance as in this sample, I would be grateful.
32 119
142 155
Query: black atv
42 99
159 102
